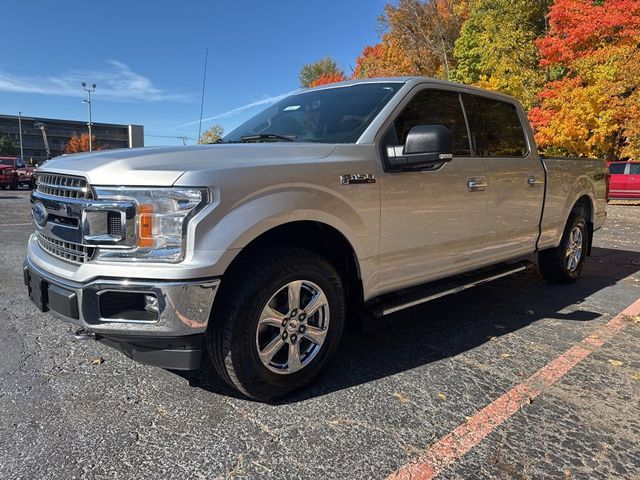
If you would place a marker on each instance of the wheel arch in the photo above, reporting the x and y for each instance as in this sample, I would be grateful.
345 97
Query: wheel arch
584 206
319 237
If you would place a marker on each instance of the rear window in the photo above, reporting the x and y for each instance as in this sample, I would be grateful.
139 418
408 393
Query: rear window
496 129
617 168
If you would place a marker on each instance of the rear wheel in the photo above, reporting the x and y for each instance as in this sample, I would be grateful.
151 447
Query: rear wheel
564 263
279 324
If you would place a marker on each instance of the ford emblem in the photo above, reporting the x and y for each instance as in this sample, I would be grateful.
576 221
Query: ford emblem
39 214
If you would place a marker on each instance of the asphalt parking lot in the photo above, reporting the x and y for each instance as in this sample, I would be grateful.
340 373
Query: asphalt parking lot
448 388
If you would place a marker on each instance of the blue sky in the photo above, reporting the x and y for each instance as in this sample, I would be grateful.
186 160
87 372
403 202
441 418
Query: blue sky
147 57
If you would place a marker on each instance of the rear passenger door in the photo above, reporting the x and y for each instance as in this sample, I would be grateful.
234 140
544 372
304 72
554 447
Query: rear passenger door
515 176
632 184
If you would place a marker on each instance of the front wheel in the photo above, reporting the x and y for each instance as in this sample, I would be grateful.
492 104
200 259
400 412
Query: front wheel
564 263
279 324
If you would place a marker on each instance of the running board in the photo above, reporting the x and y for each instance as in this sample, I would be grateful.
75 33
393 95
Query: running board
392 303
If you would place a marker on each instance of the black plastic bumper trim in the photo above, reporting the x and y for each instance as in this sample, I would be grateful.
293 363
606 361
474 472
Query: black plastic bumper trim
173 353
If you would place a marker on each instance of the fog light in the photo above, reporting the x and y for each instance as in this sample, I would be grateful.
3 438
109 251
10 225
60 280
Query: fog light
119 306
151 304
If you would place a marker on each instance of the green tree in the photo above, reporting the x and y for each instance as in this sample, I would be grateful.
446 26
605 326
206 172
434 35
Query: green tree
325 67
212 135
8 147
497 50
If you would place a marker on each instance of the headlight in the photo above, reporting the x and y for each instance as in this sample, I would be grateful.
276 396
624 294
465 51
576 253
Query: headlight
161 219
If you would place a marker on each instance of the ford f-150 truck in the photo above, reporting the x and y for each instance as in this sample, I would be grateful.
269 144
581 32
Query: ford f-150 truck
332 205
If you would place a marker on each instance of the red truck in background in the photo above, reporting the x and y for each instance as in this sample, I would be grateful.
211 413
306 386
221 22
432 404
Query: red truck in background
15 172
624 183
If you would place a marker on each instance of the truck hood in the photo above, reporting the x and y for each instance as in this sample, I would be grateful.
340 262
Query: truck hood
162 166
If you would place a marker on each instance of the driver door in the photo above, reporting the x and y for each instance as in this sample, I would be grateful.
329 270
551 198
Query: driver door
432 220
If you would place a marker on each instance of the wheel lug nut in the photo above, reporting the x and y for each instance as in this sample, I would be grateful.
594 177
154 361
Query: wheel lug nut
294 312
302 329
284 335
294 337
284 322
302 317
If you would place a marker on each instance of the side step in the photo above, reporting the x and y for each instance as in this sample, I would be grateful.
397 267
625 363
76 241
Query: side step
394 302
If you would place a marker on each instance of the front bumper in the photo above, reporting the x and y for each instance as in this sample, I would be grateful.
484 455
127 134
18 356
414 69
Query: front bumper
183 306
173 339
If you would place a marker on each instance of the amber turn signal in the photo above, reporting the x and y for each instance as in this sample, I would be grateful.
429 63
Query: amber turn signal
145 219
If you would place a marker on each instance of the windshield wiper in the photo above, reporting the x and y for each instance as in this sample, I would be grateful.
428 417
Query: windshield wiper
267 136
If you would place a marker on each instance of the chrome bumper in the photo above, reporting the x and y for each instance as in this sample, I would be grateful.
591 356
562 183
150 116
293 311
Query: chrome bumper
183 306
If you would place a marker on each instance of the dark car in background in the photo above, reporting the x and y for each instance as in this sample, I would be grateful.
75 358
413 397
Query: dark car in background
625 180
16 172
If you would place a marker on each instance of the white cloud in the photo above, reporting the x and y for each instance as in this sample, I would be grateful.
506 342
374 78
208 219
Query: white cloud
235 111
117 82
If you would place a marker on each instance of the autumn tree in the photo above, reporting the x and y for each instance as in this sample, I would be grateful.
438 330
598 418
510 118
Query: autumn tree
497 50
591 106
80 143
322 70
427 31
212 135
385 59
8 147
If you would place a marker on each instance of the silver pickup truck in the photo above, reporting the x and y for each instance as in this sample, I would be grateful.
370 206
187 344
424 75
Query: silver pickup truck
332 205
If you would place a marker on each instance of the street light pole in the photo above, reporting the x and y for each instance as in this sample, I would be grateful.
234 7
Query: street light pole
20 128
88 102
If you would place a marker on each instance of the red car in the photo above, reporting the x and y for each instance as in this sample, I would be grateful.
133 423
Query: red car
15 173
624 183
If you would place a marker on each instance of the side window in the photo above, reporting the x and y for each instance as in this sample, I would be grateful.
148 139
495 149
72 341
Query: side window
496 130
434 107
617 168
634 169
20 163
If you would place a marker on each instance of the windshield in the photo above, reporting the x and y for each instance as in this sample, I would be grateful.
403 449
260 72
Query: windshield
332 115
7 161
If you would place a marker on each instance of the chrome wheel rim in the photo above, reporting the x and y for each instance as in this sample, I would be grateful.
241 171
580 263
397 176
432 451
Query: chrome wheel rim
574 249
292 327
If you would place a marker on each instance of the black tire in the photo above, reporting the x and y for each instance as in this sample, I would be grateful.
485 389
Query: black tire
231 337
554 263
14 184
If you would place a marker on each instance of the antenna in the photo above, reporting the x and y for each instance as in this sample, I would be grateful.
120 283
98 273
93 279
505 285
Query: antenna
204 81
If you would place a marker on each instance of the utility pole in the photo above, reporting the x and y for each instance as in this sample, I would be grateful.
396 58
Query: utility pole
88 102
20 129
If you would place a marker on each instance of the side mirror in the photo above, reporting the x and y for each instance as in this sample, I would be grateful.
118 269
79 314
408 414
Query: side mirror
426 145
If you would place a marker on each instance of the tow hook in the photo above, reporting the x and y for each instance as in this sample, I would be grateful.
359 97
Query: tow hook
83 334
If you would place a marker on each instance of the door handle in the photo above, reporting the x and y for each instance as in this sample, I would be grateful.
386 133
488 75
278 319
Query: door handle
476 184
533 181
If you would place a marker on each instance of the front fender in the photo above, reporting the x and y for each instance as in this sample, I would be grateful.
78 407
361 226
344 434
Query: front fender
228 230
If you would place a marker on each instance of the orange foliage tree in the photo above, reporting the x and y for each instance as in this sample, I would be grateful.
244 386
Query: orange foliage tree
385 59
328 78
426 31
591 106
80 143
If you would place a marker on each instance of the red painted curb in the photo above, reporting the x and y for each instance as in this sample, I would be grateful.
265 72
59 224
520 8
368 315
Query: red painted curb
450 448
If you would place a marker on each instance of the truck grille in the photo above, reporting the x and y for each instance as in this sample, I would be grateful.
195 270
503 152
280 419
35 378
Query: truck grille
65 186
70 252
